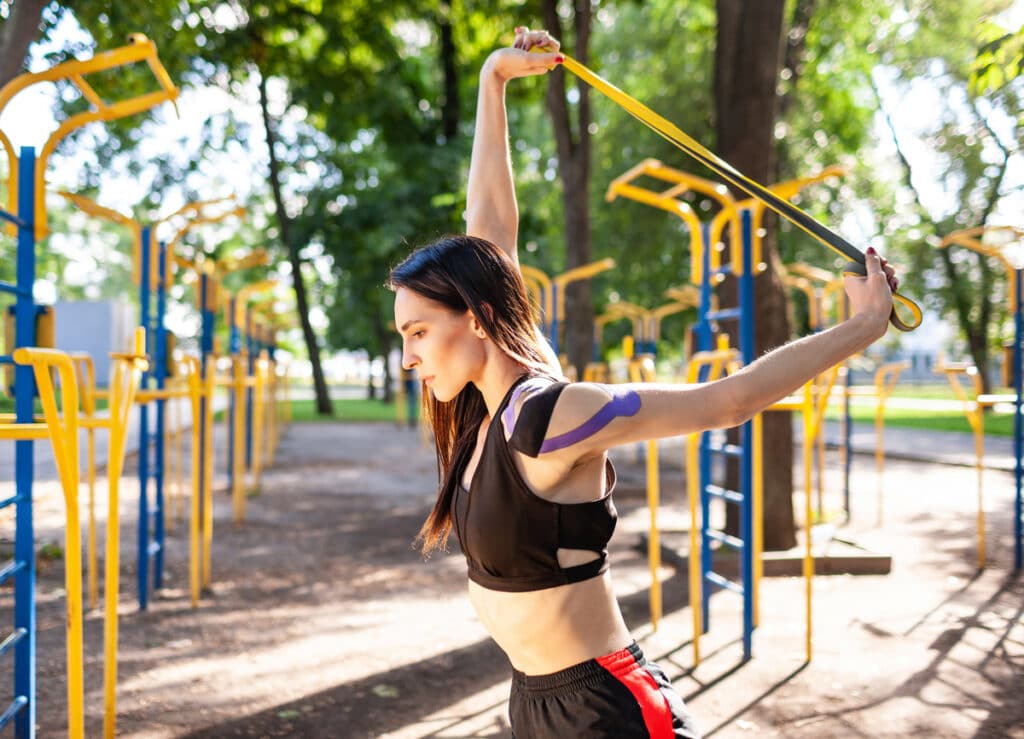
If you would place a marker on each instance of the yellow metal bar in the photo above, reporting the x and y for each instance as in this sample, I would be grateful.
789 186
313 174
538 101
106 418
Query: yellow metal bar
64 439
238 491
140 49
193 375
208 391
128 369
970 238
257 419
12 182
24 432
85 374
653 541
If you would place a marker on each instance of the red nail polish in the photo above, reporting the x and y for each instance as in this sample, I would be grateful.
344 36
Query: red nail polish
559 59
871 250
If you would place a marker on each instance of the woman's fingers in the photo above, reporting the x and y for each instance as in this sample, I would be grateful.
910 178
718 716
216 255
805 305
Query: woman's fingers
526 39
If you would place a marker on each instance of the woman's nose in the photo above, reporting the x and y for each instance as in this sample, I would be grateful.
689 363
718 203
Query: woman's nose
409 360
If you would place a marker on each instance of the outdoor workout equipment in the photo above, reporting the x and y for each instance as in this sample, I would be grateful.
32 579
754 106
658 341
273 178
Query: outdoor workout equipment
549 293
764 195
972 238
711 261
26 218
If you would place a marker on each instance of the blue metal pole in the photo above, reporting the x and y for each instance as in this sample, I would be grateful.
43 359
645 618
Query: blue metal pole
24 382
847 426
1018 440
235 348
161 382
704 340
143 525
747 348
205 350
250 392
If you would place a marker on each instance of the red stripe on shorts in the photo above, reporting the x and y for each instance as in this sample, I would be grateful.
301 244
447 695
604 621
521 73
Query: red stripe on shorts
641 685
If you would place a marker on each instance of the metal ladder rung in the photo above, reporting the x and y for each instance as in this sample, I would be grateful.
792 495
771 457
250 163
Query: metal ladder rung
724 314
11 569
12 710
11 501
13 638
715 579
729 450
730 541
730 495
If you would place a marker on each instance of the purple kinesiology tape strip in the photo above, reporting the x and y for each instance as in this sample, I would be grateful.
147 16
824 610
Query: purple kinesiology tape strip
508 417
621 404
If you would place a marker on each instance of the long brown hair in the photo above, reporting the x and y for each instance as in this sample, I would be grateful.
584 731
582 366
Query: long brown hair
467 273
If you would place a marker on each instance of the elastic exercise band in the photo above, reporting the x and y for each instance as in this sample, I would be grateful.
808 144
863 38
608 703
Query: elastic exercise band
729 173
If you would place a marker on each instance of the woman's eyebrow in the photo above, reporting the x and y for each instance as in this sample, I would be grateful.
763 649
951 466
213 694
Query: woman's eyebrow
408 323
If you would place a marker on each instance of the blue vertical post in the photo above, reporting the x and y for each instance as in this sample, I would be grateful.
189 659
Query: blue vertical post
746 333
250 392
142 573
24 551
1018 442
234 348
205 351
704 343
161 382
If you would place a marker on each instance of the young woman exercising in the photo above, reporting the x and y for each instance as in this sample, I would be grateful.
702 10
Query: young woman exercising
522 455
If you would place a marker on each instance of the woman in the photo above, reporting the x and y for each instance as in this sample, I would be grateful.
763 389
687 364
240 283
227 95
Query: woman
524 477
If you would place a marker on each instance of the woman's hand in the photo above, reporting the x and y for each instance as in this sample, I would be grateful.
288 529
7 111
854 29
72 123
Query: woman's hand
871 296
519 61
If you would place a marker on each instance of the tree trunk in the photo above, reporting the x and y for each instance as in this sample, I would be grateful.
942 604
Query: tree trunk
16 34
574 167
323 400
747 59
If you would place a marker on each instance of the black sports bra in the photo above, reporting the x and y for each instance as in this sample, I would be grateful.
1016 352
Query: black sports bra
510 535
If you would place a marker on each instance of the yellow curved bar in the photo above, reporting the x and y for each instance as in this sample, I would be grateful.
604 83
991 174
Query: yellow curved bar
790 188
63 432
541 278
969 239
93 208
12 181
621 186
139 49
199 217
243 295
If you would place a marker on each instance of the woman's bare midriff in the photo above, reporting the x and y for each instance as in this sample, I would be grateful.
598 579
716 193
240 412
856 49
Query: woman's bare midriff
544 631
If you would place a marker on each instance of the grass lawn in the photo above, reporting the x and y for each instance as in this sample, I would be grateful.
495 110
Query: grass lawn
998 424
356 410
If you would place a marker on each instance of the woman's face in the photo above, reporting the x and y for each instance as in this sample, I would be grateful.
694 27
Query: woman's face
445 347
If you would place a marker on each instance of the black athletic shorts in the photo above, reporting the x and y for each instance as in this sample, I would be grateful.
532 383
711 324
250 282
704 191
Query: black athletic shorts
618 696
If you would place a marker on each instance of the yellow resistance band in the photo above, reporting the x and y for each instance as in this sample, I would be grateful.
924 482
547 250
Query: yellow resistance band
730 174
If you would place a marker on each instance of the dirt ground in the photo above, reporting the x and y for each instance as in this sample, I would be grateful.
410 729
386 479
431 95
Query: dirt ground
323 621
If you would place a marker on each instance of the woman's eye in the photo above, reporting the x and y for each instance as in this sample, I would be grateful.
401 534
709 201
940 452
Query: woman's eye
417 334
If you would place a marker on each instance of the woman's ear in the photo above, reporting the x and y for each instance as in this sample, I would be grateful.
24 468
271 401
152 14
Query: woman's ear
478 328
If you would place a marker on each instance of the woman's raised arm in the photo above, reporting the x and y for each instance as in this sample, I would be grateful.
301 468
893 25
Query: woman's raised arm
491 209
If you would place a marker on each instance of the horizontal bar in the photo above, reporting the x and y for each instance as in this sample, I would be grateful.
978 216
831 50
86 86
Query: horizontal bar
715 579
730 541
11 569
12 710
730 495
7 216
11 501
6 287
8 644
6 359
730 450
723 314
